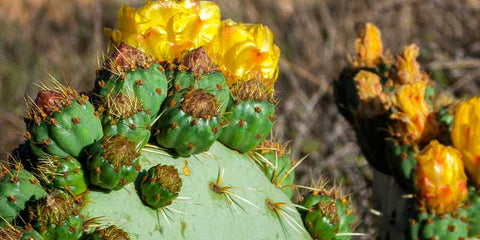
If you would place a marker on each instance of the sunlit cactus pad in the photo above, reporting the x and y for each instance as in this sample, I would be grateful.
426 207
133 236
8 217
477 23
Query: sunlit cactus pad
208 207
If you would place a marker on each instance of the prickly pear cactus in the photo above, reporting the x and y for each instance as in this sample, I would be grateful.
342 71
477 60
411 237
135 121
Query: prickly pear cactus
100 179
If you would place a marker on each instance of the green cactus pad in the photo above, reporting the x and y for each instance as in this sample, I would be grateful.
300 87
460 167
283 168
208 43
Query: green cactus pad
17 187
402 162
248 123
57 218
61 123
426 226
110 233
132 73
63 173
190 123
327 217
160 186
200 212
112 162
473 212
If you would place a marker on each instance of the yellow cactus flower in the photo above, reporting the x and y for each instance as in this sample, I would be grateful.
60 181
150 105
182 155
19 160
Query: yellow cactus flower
373 100
407 67
440 178
244 52
166 28
466 136
413 112
369 47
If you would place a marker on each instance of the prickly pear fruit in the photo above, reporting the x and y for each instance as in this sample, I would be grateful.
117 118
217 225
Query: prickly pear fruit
131 72
275 161
326 216
109 233
448 226
64 173
112 162
249 116
197 69
122 114
190 123
57 217
465 136
61 122
440 178
160 186
17 187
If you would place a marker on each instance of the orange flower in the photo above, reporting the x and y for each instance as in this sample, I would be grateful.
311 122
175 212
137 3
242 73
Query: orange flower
245 52
466 136
413 112
373 100
166 28
440 178
407 67
369 47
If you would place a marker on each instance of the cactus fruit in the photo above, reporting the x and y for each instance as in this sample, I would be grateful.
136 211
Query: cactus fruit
197 69
64 173
222 186
160 186
440 178
61 122
57 217
112 162
448 226
109 233
327 215
275 161
190 123
249 116
132 73
17 187
465 136
124 115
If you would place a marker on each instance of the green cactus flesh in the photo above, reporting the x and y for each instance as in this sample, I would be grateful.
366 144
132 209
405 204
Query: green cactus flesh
109 233
224 196
450 226
327 217
160 185
190 123
135 128
112 163
276 173
17 187
57 218
402 162
146 82
213 83
63 173
65 132
473 212
249 122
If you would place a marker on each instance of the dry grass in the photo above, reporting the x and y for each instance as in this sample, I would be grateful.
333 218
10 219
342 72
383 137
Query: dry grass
64 38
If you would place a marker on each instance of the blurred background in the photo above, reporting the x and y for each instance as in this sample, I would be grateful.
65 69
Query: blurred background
39 38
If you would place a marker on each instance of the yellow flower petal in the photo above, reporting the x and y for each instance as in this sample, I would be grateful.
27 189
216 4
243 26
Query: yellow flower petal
368 46
466 136
440 178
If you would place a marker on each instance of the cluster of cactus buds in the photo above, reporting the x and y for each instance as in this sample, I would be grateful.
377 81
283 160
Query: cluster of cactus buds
404 127
137 157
